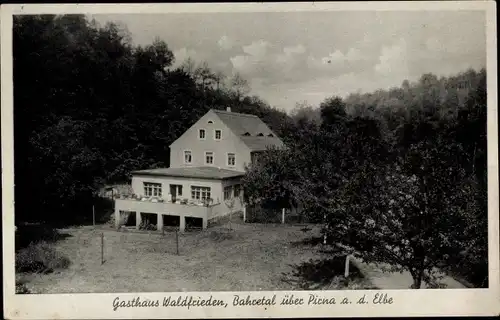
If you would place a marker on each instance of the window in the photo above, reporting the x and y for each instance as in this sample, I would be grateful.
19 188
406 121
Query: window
246 134
228 192
210 121
152 189
270 135
202 134
260 135
231 159
209 157
200 193
217 134
175 191
188 158
237 190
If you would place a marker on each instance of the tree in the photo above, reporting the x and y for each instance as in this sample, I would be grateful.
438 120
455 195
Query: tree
266 182
188 66
333 111
407 213
305 112
219 78
239 86
230 205
204 76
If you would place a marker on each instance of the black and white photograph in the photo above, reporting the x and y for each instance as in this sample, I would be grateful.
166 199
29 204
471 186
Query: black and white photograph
252 152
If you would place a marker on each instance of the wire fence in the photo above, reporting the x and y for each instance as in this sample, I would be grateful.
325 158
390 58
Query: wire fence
256 213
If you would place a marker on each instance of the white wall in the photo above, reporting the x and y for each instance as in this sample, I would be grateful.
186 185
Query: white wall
162 207
229 143
237 205
215 185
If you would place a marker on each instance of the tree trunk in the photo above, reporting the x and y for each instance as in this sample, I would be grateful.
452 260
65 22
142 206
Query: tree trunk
417 276
417 282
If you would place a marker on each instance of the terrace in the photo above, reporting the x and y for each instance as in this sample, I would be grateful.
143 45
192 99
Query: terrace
143 208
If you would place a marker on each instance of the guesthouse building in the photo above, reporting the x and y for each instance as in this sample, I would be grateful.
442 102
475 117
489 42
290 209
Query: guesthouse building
203 182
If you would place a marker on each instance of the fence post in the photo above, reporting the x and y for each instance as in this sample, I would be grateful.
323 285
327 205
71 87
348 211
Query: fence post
283 216
244 213
346 272
177 240
102 247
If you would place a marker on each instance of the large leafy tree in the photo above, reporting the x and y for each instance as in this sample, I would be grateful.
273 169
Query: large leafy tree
410 215
266 182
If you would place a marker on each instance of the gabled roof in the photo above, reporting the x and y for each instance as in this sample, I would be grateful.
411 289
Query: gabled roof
261 143
191 172
250 129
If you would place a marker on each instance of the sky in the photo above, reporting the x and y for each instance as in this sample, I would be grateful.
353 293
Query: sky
294 57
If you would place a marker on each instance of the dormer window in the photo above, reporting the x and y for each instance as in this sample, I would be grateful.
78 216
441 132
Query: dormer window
246 134
201 134
260 135
217 134
270 135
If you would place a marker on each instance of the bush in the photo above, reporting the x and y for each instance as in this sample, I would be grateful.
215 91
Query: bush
260 214
33 233
146 225
21 288
40 257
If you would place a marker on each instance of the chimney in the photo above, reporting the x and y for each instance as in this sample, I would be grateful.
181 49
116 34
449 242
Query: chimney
228 109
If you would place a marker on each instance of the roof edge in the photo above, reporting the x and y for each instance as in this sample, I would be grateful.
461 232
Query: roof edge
146 173
234 113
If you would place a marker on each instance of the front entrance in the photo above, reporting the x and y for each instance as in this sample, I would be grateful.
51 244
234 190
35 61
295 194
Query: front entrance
175 191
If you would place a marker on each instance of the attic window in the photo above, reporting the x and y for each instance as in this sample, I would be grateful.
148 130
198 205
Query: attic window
260 135
201 134
270 135
246 134
210 121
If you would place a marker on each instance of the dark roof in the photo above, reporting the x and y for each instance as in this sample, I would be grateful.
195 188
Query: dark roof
248 127
192 172
261 143
241 123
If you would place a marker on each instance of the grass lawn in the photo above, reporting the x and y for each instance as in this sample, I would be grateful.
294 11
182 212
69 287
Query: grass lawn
251 257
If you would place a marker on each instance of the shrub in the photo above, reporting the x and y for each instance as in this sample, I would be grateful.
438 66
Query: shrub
28 233
40 257
146 225
21 287
111 220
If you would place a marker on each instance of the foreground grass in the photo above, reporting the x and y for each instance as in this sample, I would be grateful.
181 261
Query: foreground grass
250 257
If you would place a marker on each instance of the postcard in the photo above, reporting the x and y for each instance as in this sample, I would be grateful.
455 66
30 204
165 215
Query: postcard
249 160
